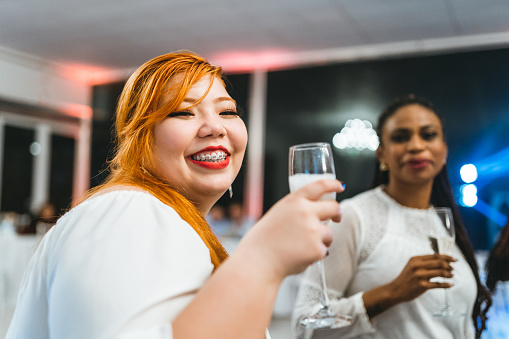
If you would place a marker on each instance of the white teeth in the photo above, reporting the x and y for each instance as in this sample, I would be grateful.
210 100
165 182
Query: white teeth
212 157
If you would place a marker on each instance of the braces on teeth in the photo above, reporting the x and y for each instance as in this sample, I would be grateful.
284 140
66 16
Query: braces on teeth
214 157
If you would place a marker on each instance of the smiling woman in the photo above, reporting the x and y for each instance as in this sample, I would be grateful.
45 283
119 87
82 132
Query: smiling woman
199 148
382 269
136 258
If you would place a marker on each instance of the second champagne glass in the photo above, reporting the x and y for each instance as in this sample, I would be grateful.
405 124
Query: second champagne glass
442 241
309 163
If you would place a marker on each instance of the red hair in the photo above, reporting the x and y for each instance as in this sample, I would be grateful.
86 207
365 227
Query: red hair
139 109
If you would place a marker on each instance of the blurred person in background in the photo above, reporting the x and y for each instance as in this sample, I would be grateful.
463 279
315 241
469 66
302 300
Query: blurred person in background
46 217
381 269
240 223
218 220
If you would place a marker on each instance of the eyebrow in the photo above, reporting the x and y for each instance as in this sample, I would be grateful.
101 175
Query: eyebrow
217 100
420 128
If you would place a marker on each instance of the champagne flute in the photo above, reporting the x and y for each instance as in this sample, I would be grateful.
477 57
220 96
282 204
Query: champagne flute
309 163
442 241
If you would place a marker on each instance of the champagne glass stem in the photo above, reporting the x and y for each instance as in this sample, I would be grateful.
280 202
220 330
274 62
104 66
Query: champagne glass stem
308 163
446 298
325 297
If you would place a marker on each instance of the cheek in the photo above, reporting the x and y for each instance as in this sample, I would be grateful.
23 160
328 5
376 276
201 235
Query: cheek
392 154
238 136
166 141
440 151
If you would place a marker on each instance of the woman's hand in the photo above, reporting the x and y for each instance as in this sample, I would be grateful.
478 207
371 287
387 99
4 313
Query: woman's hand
291 235
412 282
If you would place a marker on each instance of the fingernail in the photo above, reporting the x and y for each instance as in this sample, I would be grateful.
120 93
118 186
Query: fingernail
327 254
343 184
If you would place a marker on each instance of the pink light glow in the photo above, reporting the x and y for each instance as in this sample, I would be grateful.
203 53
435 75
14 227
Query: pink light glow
236 62
76 110
91 75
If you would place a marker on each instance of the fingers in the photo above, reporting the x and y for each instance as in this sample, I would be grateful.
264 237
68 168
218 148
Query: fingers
437 256
433 285
327 236
317 189
430 274
427 267
437 263
326 210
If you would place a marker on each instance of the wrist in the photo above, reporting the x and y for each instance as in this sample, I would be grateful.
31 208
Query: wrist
380 299
255 260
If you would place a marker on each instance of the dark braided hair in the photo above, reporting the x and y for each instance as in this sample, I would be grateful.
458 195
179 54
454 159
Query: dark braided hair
442 196
497 265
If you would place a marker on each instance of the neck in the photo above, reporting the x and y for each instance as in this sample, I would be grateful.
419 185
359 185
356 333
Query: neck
204 208
416 196
204 204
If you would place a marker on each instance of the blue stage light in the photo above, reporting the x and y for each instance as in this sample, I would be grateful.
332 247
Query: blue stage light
468 173
468 195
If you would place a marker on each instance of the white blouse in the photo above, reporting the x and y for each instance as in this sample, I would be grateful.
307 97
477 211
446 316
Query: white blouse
372 244
120 265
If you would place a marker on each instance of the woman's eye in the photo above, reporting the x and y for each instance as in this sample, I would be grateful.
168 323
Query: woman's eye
429 135
399 138
180 114
229 112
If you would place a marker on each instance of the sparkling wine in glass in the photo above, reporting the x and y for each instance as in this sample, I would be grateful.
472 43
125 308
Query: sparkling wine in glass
309 163
442 241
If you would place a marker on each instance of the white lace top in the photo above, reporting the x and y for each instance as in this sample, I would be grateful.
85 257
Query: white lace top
372 244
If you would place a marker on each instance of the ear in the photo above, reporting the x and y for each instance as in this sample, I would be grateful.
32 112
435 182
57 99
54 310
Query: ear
379 154
445 154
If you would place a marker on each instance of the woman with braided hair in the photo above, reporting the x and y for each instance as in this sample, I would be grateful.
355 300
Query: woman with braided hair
381 267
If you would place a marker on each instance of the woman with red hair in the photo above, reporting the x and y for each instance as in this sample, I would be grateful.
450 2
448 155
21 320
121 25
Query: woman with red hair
136 258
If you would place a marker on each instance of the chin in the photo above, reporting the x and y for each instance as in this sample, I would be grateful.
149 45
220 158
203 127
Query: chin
218 191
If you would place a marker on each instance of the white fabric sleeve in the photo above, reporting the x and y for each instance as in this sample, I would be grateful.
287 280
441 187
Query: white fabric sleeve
123 265
155 332
341 266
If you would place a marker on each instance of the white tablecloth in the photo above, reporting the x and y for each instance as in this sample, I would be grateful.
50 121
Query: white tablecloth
15 253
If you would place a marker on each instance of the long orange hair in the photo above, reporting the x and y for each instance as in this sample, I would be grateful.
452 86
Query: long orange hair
140 107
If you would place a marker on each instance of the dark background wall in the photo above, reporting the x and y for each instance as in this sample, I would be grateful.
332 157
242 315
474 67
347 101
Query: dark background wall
312 104
469 90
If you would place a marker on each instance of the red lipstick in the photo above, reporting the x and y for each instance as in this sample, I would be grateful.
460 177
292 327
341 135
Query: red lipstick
418 163
205 158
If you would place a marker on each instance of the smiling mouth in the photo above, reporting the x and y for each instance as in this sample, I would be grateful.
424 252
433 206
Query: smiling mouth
418 163
216 156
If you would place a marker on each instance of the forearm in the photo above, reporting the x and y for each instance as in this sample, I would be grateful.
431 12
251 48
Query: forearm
236 302
380 299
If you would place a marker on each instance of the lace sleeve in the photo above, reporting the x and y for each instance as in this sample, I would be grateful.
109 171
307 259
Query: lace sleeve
340 268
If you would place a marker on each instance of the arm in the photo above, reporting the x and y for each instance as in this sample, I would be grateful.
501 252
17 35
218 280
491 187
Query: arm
341 268
238 299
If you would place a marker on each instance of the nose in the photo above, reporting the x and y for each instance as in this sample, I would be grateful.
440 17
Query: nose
212 126
416 144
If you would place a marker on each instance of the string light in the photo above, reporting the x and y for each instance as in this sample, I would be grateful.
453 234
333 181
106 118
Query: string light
358 134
